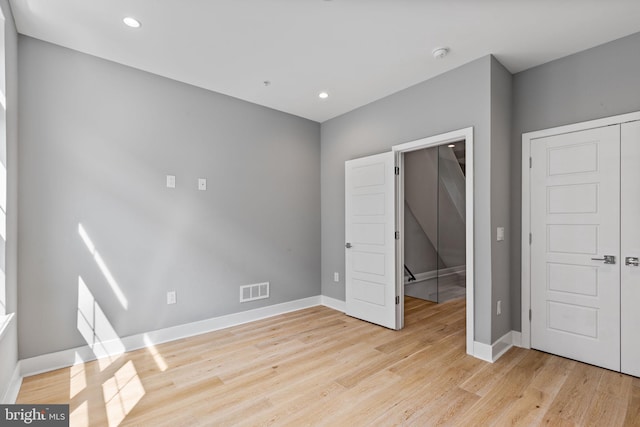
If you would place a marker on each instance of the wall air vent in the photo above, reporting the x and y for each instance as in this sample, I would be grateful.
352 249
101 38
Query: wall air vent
254 292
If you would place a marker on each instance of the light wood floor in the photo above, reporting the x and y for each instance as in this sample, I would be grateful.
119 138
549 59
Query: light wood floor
320 367
441 289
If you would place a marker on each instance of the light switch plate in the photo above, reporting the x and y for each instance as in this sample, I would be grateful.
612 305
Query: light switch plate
171 297
171 181
202 184
500 234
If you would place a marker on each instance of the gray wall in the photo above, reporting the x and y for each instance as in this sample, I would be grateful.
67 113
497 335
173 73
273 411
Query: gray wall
596 83
97 140
455 100
9 343
501 97
420 256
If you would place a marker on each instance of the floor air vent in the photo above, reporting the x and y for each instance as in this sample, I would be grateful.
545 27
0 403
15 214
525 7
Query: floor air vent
254 292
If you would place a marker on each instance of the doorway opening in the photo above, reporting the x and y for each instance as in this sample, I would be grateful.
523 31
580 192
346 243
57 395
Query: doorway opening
435 221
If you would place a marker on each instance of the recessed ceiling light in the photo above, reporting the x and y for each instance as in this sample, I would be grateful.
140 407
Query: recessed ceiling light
451 145
440 52
131 22
323 95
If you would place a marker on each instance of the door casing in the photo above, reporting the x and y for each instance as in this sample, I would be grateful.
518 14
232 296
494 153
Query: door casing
525 275
433 141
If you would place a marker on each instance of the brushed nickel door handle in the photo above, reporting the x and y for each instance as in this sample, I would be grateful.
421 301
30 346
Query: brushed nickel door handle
631 260
608 259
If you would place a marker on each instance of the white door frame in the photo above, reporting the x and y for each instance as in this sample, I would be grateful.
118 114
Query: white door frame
433 141
527 139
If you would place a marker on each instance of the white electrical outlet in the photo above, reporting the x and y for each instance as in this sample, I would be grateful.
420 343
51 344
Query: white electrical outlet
202 184
171 181
499 308
171 297
336 277
500 234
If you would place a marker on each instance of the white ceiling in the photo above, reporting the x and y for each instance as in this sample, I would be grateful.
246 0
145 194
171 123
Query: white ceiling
356 50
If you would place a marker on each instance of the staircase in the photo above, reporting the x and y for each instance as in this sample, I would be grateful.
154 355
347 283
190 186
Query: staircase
424 189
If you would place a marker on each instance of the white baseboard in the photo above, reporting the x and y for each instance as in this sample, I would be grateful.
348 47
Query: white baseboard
428 275
15 382
333 303
491 353
482 351
61 359
517 338
65 358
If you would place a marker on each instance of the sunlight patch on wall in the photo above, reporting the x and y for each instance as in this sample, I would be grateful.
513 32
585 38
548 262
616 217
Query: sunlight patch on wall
3 294
103 267
3 202
96 329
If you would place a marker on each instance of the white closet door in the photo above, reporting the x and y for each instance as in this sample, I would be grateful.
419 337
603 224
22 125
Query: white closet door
575 217
630 248
370 254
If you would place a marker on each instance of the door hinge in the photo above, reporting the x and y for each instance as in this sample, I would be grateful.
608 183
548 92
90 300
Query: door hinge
530 238
529 315
397 299
530 162
396 170
397 235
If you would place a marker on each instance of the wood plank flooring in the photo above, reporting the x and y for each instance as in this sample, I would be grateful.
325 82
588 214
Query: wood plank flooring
320 367
440 290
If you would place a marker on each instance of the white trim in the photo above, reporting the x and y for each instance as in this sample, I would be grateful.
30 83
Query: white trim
333 303
517 338
11 394
502 345
427 275
432 141
65 358
399 162
482 351
491 353
580 126
527 139
525 262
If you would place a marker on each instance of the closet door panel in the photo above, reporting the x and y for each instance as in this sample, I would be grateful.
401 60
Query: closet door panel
630 248
575 223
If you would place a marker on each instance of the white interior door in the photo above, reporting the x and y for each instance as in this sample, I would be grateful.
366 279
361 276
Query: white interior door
575 221
630 248
370 254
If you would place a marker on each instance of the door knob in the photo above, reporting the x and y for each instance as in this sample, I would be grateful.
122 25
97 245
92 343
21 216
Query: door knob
608 259
348 245
631 260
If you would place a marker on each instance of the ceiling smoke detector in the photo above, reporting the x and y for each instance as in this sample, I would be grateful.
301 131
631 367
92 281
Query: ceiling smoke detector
440 52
